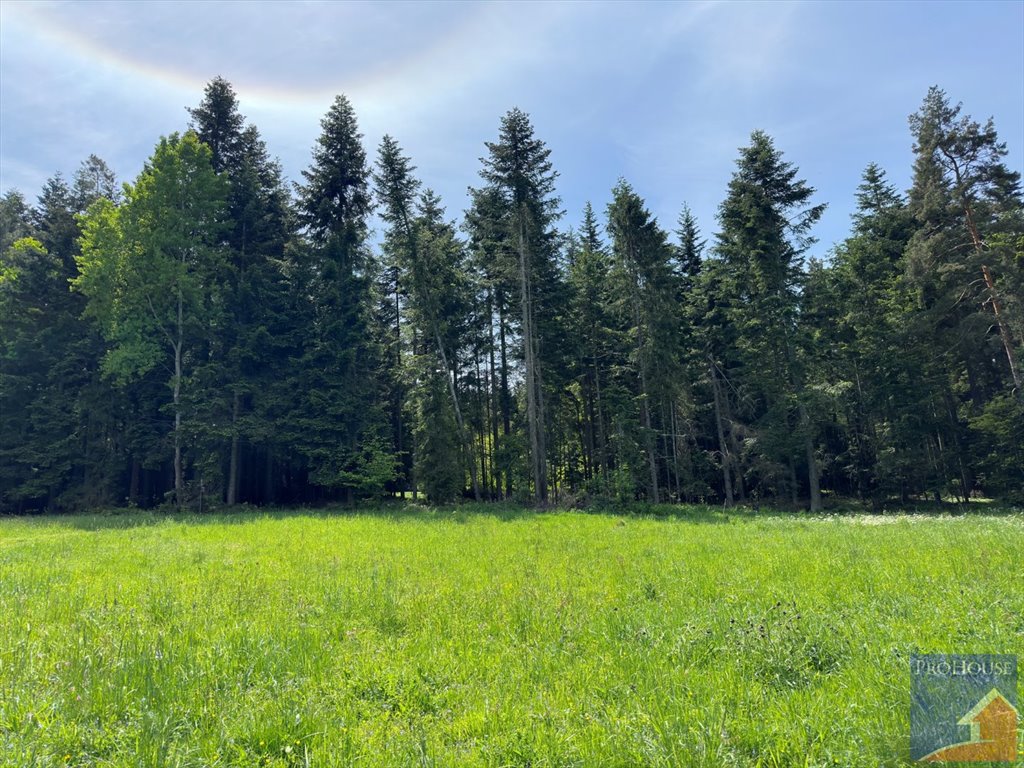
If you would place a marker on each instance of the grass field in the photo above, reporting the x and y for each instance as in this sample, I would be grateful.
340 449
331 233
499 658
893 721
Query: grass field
491 637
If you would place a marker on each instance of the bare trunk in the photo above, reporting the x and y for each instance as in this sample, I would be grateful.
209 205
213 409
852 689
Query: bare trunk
812 464
268 478
412 446
482 410
233 465
734 448
533 404
178 475
493 399
1004 331
133 488
602 441
588 439
466 444
722 445
506 406
645 416
675 451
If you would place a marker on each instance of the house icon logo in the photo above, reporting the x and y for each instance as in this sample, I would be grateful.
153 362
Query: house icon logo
963 708
993 724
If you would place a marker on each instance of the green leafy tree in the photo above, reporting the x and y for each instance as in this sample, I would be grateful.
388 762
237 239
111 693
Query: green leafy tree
145 268
56 449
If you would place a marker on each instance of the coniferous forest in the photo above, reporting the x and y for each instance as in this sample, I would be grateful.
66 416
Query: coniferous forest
211 333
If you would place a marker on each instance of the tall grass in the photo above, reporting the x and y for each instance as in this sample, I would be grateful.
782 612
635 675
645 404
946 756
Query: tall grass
487 638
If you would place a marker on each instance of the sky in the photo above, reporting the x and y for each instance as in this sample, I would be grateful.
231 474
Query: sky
662 94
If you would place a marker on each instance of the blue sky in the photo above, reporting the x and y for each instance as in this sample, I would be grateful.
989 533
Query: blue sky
661 94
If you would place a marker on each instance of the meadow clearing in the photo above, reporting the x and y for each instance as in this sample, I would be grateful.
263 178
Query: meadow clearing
487 636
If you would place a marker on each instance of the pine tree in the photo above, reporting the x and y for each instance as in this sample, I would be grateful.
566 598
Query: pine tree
425 260
396 188
963 189
968 211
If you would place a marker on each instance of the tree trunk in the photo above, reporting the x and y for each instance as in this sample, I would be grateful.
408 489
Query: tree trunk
602 440
233 466
675 451
1004 331
652 461
133 488
812 464
533 406
178 475
493 398
466 443
506 401
722 445
734 448
268 478
482 411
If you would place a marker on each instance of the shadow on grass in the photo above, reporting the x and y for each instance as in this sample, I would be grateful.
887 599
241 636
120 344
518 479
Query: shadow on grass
124 518
404 511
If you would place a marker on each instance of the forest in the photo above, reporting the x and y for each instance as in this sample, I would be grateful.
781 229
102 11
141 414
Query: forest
212 334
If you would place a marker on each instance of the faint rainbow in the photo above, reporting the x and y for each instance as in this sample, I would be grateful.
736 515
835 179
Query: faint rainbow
383 78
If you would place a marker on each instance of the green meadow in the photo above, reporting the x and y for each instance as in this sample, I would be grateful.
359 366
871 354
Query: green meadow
488 636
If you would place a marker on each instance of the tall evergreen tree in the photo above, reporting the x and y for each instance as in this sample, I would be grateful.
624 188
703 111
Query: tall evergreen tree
592 328
339 424
650 315
765 224
519 175
244 363
396 188
857 309
963 191
960 263
425 259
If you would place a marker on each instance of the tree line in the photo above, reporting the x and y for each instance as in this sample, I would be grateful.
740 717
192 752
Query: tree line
210 334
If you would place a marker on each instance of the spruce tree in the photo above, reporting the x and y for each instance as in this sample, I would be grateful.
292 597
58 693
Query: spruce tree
338 424
650 316
519 175
244 364
590 325
765 230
